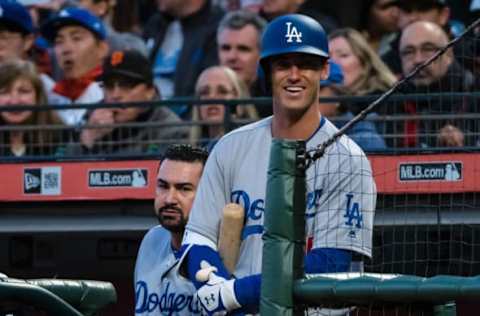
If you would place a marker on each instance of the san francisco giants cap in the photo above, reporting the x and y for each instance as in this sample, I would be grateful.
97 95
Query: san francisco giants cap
129 64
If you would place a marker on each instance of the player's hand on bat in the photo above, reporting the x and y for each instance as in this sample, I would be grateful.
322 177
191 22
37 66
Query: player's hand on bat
217 296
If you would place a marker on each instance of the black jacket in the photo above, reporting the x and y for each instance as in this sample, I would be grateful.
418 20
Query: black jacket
199 49
159 130
457 79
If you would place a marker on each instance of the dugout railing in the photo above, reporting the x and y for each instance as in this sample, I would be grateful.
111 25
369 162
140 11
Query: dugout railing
400 129
444 218
415 275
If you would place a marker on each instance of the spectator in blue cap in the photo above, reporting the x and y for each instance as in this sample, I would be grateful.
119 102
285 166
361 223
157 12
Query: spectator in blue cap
79 44
365 132
16 31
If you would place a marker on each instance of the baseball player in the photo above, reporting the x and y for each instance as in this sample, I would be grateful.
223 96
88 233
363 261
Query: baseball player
341 191
160 288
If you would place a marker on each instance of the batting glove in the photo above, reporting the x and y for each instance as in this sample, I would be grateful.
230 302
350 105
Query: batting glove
217 296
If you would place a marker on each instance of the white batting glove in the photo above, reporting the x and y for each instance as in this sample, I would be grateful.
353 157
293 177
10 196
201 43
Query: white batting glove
217 296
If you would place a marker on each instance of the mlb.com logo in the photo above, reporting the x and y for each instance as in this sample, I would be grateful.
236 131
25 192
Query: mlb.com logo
110 178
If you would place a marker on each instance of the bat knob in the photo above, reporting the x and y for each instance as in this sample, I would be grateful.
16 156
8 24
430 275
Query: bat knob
203 275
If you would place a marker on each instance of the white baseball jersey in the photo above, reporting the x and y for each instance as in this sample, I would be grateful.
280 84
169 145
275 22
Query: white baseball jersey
159 287
341 193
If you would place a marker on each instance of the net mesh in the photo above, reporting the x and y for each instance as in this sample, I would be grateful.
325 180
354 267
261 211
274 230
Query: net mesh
424 229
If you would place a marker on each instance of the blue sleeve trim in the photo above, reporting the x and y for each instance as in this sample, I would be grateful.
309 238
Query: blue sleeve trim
197 254
324 260
251 230
247 291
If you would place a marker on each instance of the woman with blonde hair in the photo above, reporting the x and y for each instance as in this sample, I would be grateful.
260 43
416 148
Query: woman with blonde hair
364 71
20 85
218 82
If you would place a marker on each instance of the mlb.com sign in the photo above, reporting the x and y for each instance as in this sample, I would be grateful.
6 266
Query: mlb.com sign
431 171
135 178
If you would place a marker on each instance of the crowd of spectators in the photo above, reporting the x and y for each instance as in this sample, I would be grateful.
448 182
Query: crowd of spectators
93 52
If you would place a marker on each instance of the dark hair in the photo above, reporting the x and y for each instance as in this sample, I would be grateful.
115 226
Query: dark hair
126 15
186 153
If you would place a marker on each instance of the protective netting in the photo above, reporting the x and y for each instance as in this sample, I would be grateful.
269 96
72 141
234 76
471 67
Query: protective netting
426 218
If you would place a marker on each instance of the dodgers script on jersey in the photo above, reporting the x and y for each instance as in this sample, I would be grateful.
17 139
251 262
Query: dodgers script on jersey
159 287
341 193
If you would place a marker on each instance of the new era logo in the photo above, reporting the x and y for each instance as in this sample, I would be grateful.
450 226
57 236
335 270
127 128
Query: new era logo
292 32
44 181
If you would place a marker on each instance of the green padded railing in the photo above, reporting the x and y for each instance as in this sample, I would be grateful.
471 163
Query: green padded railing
366 289
59 297
85 295
284 236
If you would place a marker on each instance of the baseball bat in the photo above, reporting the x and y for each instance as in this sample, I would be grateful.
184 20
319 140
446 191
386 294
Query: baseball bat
230 235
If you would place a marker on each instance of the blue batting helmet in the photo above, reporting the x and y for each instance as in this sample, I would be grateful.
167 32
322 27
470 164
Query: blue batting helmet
292 33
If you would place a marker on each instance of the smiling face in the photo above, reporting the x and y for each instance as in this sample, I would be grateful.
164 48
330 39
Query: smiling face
295 81
214 83
78 51
19 92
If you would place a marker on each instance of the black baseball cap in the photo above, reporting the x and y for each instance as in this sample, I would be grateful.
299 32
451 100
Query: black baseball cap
420 5
128 64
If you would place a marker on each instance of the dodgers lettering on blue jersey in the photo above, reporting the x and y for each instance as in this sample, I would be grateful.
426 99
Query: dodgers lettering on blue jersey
167 303
254 209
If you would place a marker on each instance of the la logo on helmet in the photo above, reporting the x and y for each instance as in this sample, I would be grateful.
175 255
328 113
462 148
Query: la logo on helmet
293 32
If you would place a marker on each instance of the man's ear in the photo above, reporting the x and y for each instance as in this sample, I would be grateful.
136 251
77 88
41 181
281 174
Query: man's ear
444 16
27 43
151 92
450 55
325 70
103 49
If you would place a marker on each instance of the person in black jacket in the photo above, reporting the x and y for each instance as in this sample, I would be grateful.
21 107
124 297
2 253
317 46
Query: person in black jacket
419 41
127 78
436 11
182 42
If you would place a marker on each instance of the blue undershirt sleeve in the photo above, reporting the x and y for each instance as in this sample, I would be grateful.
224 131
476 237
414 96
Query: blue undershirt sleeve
324 260
247 291
197 254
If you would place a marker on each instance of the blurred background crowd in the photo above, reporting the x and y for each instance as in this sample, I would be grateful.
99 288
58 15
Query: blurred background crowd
79 66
